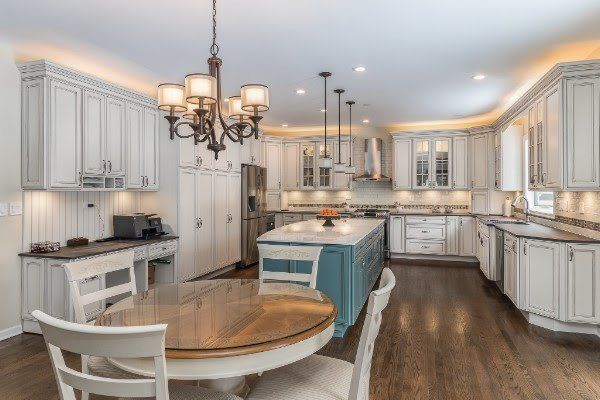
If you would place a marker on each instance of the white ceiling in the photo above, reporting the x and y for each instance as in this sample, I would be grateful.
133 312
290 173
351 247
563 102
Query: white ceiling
420 54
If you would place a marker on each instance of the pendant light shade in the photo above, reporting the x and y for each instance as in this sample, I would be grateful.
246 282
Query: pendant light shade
201 88
255 97
350 168
325 161
235 108
171 97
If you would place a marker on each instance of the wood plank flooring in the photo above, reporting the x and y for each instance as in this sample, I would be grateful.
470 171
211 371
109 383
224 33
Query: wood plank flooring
447 334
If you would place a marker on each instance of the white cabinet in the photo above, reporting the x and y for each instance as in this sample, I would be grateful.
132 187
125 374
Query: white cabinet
483 248
341 180
552 173
233 153
508 162
234 225
65 135
479 163
460 162
33 282
479 202
466 226
307 166
396 234
135 138
273 165
273 201
583 283
540 261
432 164
402 171
227 219
250 151
583 133
511 268
452 235
291 166
150 148
33 127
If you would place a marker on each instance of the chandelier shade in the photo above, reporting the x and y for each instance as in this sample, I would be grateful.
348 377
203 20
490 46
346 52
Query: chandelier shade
171 97
235 108
255 97
201 88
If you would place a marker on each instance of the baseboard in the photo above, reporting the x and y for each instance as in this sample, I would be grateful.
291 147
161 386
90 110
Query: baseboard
217 272
10 332
434 259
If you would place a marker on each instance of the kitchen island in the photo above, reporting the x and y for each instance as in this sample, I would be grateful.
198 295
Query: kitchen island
350 263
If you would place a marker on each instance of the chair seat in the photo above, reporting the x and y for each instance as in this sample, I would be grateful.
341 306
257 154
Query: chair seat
315 377
189 392
100 366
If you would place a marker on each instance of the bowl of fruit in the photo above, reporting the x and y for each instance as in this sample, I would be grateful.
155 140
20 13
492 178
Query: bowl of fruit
328 214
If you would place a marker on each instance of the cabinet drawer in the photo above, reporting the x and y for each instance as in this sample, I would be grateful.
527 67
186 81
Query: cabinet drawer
162 249
426 232
425 247
139 253
291 218
419 219
308 217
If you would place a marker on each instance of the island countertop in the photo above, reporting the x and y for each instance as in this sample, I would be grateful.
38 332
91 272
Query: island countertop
345 232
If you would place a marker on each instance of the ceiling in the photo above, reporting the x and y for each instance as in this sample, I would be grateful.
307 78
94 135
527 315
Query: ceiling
420 55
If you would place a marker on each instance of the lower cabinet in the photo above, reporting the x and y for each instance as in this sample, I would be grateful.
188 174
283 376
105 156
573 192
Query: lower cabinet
227 219
583 283
541 267
466 243
452 236
397 234
511 268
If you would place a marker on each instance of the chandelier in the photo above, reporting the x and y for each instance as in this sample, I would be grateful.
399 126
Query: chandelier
200 102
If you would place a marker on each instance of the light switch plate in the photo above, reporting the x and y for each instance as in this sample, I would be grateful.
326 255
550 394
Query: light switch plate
3 209
16 208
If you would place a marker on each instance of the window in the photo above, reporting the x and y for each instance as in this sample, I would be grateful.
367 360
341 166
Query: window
539 202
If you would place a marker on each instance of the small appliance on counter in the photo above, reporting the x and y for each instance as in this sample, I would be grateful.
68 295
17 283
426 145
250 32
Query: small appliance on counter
137 226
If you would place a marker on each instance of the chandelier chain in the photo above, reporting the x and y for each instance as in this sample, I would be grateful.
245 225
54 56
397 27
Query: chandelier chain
214 49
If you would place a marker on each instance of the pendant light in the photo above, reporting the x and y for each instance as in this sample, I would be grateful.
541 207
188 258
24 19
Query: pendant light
339 166
325 161
350 168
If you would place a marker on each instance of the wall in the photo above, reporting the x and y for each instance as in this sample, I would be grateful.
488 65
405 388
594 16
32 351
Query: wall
10 190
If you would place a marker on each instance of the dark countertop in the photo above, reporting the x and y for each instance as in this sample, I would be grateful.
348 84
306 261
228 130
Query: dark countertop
542 232
429 213
97 248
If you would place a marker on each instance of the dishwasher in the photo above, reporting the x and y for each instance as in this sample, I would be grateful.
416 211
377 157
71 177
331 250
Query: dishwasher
498 259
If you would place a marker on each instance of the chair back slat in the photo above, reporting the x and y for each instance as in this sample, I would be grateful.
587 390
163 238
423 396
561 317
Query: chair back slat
118 342
291 253
378 300
77 271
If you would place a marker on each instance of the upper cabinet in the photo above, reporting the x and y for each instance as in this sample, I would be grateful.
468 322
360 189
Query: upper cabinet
79 132
273 165
479 161
431 163
250 151
508 162
291 166
460 162
402 170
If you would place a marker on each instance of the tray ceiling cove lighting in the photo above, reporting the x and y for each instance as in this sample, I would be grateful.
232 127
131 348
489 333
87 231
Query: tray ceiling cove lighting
200 102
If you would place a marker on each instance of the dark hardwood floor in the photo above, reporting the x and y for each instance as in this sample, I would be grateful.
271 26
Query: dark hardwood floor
447 334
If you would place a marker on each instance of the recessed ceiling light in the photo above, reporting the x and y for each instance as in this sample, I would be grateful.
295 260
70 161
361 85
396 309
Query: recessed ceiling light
300 91
359 68
323 110
226 100
284 125
479 77
365 121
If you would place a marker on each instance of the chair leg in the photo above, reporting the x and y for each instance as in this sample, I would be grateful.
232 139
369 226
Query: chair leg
84 369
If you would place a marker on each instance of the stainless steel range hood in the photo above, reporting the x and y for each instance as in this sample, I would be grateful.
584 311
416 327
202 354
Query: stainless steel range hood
373 148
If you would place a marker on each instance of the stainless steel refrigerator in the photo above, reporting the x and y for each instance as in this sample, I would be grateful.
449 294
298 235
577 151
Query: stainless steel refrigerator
255 219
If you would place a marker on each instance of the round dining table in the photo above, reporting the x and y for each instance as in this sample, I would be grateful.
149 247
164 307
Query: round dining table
221 330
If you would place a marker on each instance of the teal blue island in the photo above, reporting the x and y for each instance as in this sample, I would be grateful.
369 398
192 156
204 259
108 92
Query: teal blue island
350 262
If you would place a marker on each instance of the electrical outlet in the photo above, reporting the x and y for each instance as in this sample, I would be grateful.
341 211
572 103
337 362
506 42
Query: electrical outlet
87 205
16 208
3 209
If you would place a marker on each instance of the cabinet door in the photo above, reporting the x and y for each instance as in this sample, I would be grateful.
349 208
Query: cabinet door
542 265
234 228
188 151
422 158
273 201
204 228
583 283
307 166
452 235
341 180
553 133
441 164
94 133
33 282
256 151
485 256
65 135
539 142
402 164
33 154
466 236
115 136
221 216
479 202
531 147
291 173
480 163
234 155
510 274
397 234
151 149
246 151
325 175
460 163
135 145
583 135
57 292
273 151
188 223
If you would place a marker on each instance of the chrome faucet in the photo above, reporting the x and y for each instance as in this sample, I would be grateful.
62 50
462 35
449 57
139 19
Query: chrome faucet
522 197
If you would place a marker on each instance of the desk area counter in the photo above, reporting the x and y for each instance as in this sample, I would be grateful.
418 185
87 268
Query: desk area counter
349 264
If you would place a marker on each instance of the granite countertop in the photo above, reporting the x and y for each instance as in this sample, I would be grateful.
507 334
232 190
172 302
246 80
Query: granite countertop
494 219
310 210
96 248
428 212
542 232
345 232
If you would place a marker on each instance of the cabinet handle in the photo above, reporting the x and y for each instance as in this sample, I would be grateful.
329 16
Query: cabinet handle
109 166
279 184
424 231
200 161
80 177
514 247
424 247
197 223
525 248
570 253
103 166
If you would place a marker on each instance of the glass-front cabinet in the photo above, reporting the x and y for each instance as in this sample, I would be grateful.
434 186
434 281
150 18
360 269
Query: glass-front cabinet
325 174
432 164
307 161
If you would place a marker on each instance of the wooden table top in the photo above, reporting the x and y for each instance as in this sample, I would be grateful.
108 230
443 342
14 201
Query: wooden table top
226 317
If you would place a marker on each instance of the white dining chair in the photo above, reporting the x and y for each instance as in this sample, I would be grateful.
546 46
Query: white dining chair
120 342
78 271
291 253
323 378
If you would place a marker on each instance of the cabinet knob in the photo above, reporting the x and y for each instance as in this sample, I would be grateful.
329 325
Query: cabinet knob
570 253
109 166
103 166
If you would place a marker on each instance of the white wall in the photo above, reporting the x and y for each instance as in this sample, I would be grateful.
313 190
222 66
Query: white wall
10 190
